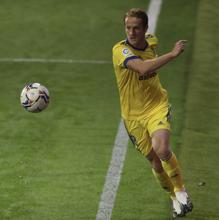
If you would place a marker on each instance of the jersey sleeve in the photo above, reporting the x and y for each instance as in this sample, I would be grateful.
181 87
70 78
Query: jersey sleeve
152 40
121 55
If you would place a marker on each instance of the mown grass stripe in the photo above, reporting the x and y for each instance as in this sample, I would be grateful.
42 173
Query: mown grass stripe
199 152
120 148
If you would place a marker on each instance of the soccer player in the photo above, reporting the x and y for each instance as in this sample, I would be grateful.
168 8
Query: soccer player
144 104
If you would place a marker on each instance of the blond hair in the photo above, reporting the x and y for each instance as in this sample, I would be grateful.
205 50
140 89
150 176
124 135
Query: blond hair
138 13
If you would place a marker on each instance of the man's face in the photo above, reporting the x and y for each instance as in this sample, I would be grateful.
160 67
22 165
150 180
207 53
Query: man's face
135 31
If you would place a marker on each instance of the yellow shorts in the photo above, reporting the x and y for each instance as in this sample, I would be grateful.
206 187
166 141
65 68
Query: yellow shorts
140 131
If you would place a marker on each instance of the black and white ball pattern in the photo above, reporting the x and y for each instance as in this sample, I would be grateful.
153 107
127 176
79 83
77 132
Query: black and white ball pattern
34 97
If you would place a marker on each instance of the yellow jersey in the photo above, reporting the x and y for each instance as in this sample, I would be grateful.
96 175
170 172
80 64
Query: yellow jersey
140 96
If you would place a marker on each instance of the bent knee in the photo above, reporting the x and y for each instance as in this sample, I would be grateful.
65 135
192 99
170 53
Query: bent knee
160 145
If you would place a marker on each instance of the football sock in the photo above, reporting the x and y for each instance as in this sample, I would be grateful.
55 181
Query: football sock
165 182
172 168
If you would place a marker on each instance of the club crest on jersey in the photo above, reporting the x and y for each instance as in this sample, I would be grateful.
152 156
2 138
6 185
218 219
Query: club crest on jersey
125 51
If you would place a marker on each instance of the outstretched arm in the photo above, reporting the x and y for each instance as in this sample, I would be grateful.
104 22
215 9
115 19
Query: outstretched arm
149 66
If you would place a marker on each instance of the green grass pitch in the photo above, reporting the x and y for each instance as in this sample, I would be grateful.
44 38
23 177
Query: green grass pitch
53 164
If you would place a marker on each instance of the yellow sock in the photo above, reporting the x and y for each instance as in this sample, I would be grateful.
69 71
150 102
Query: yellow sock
172 168
165 182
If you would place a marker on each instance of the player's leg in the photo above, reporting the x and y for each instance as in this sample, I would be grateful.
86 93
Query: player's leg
142 141
165 182
160 174
159 129
160 143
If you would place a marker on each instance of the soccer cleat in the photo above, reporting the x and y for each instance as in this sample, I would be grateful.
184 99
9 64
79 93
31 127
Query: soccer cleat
188 206
184 200
178 209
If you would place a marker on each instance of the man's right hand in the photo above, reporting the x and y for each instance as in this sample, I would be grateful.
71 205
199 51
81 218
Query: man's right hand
178 48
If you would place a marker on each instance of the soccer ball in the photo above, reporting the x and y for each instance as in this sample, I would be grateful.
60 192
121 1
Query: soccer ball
34 97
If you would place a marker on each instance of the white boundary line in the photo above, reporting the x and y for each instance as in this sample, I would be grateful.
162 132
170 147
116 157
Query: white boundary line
42 60
153 14
113 176
112 180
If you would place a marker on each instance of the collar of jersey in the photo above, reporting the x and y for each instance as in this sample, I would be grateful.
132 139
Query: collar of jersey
141 49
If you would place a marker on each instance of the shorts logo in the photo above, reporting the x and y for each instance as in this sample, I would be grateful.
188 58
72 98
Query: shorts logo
160 123
125 51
